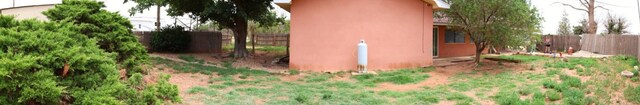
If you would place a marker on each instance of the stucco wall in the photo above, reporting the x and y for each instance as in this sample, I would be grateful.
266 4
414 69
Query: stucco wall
446 50
325 34
28 12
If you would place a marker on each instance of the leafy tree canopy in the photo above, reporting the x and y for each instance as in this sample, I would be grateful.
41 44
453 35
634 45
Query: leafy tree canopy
232 14
494 22
112 31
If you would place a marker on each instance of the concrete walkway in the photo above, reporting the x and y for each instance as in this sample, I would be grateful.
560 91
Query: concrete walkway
441 62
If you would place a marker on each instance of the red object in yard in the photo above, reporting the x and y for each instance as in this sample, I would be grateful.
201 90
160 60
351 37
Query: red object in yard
570 51
560 54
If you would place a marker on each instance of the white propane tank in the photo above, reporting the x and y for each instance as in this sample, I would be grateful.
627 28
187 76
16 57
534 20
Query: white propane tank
362 56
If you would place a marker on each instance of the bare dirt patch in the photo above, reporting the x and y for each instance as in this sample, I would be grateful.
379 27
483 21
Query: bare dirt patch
184 81
440 76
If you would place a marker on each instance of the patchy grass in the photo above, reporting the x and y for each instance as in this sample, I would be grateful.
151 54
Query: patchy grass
403 76
633 94
191 58
272 48
522 58
198 68
508 87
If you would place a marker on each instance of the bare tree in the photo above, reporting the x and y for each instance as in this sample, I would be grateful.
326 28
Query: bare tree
589 7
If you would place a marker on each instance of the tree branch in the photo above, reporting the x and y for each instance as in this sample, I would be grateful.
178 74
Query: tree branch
568 5
602 8
584 3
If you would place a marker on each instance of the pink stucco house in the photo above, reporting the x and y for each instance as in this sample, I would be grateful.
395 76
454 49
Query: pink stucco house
399 34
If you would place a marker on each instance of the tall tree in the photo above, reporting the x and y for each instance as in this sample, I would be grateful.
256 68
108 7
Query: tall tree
589 7
615 25
564 28
494 22
232 14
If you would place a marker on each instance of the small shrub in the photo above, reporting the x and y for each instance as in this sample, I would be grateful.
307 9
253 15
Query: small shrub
553 95
170 39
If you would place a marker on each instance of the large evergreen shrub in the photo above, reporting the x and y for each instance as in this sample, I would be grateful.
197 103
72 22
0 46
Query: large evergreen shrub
33 55
170 39
112 31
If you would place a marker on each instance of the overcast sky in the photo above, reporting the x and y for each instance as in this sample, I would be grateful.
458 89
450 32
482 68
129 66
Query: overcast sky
549 10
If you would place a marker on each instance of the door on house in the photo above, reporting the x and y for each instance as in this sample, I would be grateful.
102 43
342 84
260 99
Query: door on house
435 42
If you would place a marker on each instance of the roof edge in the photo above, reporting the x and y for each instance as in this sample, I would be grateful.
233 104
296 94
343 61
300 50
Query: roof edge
26 6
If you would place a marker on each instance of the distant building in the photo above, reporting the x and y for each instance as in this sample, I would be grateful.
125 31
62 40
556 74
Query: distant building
27 12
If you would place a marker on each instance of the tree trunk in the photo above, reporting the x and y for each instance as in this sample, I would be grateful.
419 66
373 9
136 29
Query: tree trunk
240 35
478 53
592 23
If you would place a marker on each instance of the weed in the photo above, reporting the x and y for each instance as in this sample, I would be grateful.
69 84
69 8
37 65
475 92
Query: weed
242 77
635 79
553 95
196 89
294 72
628 60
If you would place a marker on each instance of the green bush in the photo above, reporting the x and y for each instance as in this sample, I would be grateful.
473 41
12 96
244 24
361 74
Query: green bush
111 31
32 59
170 39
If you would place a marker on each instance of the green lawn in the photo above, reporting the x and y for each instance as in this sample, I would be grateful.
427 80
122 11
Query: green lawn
556 82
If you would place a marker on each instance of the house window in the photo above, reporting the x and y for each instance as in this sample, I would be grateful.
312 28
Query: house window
452 36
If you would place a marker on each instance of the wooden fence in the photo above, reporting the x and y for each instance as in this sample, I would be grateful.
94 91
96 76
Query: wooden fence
272 39
612 44
561 42
201 42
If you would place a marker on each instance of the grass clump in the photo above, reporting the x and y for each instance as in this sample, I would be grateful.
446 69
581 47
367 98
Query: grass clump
571 81
294 72
404 76
627 60
191 58
553 72
575 97
509 98
196 89
632 94
553 95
